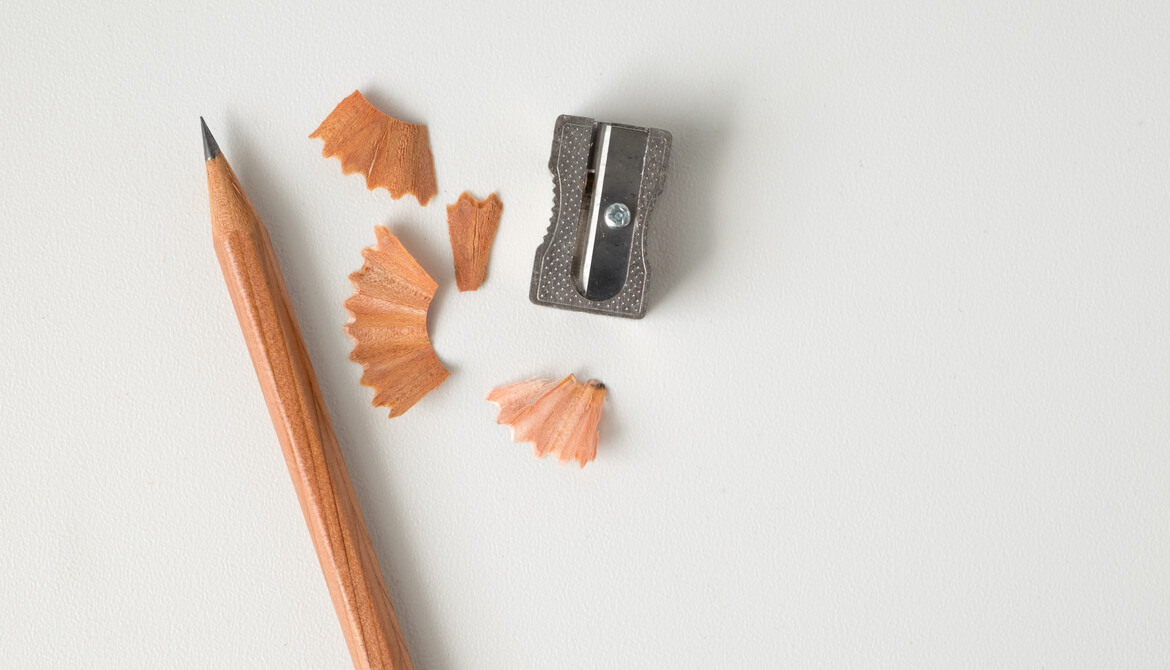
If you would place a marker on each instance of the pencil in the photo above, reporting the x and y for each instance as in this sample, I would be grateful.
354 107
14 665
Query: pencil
302 423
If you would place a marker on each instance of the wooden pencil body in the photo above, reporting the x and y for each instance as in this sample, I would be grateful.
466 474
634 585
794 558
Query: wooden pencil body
302 423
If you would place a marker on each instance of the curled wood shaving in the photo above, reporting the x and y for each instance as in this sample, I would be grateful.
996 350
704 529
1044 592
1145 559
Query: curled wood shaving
392 154
388 324
556 417
472 226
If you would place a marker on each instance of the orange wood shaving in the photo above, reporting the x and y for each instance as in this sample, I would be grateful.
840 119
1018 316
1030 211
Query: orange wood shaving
392 154
556 417
472 226
388 324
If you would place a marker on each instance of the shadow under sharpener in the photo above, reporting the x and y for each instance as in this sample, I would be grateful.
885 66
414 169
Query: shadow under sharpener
606 177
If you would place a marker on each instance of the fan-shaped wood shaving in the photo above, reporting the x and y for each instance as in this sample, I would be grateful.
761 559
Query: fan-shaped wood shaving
392 154
388 325
472 225
556 417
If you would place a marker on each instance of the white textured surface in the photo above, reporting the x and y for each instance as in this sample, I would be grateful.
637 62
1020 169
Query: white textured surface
901 398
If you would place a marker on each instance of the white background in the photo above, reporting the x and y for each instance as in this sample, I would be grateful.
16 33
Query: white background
900 399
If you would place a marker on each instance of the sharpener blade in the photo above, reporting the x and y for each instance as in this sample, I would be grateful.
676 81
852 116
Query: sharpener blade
606 177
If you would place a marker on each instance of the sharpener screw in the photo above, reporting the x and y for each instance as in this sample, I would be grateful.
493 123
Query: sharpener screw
617 215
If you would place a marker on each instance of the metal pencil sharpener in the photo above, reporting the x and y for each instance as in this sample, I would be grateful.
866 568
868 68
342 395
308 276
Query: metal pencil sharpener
606 177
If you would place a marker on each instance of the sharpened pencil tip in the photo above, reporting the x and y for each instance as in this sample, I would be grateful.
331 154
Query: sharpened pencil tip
210 148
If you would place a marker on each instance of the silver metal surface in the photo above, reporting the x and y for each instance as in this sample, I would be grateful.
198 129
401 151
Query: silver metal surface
601 172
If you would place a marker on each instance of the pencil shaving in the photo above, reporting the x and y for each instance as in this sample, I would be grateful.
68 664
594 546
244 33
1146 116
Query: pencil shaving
392 154
472 226
388 324
556 417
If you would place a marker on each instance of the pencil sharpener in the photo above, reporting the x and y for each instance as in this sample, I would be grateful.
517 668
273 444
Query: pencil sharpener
606 177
